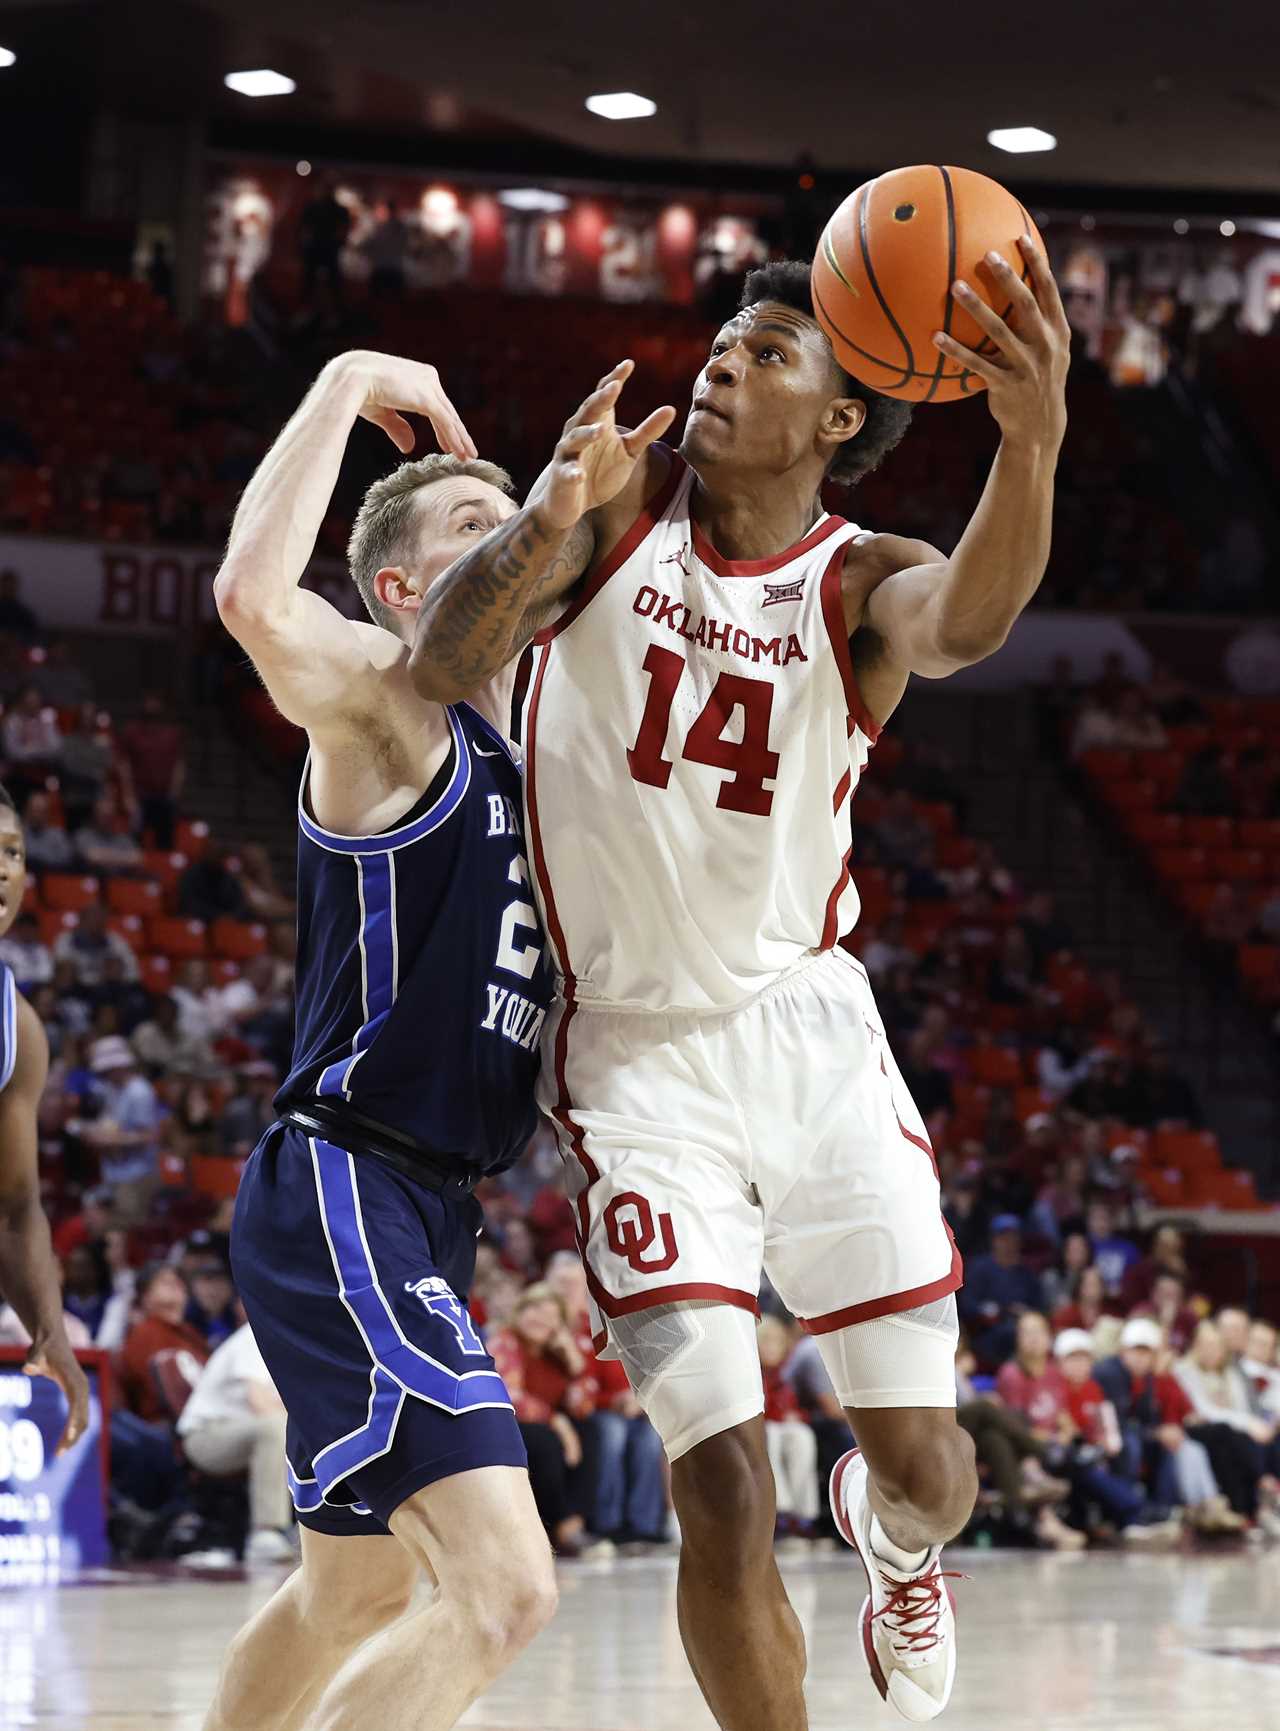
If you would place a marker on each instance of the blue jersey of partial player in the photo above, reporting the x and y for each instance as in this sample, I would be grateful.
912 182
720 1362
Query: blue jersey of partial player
8 1024
422 985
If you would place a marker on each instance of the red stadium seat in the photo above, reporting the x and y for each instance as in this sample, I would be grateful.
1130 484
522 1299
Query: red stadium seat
135 896
1188 1150
1263 832
222 972
130 928
1028 1101
67 892
238 939
53 922
215 1176
1155 828
1104 764
938 814
1179 863
1210 831
1165 1186
1239 864
995 1066
166 868
192 837
176 937
156 972
1260 966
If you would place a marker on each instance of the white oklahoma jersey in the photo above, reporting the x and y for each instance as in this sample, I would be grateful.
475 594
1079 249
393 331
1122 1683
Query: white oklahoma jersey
715 1064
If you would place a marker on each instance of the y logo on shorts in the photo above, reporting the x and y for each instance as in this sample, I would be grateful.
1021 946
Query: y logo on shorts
629 1228
440 1299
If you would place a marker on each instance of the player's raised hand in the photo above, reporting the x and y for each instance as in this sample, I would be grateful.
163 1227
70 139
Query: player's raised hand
1026 376
595 457
55 1359
395 387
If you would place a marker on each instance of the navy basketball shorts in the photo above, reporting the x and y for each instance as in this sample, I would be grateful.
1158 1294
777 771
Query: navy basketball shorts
353 1278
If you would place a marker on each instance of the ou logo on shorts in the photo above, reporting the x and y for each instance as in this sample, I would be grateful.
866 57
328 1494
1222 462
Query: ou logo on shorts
629 1228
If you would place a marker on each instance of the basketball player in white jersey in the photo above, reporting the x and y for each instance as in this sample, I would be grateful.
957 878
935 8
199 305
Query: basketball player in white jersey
714 658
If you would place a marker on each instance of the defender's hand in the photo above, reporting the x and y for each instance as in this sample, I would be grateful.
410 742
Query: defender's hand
55 1359
394 387
1026 377
594 459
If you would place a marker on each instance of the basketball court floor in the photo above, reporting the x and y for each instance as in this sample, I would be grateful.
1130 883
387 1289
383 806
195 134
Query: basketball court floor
1112 1642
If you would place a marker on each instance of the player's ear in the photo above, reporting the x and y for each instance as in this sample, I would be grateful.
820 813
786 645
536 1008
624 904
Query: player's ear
843 419
392 587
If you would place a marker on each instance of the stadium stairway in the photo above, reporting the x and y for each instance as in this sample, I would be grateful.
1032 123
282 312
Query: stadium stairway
1023 802
240 798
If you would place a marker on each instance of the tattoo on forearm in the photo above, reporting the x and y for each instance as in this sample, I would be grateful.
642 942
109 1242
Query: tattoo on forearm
491 600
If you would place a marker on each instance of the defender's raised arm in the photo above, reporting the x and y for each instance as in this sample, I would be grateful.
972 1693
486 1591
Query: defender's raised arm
307 653
491 601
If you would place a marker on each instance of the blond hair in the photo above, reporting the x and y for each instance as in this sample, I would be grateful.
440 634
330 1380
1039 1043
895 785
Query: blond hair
379 532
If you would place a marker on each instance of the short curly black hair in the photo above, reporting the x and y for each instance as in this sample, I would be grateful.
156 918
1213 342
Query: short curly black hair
787 282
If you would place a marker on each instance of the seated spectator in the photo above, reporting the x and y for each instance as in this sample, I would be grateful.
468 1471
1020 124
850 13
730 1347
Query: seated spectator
26 953
126 1132
1238 1439
1031 1382
102 845
31 739
1173 700
162 1298
1261 1365
1119 723
1013 1456
154 753
1228 921
1166 1095
538 1359
1152 1411
209 890
212 1306
1204 789
85 761
1044 931
88 943
1061 1063
1058 1281
1109 1090
882 949
1114 1254
48 844
518 1250
791 1444
1167 1255
190 993
86 1285
1168 1306
1109 1478
631 1486
927 1082
249 1113
1233 1326
263 895
902 832
1087 1306
165 1048
128 999
235 1421
999 1290
91 1221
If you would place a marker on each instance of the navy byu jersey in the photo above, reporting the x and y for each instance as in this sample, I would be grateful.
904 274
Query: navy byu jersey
421 981
8 1024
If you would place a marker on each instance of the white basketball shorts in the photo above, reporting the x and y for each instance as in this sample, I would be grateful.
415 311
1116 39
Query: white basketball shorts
706 1148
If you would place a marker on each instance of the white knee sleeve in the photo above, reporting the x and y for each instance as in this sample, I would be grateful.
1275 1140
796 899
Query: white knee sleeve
902 1360
695 1369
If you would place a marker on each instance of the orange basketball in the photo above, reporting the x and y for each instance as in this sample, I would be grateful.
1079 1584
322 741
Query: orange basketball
885 265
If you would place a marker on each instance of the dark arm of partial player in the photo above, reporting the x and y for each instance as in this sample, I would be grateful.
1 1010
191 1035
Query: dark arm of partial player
27 1273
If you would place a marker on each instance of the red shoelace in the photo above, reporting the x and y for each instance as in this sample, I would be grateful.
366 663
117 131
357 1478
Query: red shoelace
915 1602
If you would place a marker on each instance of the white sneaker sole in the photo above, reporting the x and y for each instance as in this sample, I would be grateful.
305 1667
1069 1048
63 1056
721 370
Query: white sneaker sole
848 1532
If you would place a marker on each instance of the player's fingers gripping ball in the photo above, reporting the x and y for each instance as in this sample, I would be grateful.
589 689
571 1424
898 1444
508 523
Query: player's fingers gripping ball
884 270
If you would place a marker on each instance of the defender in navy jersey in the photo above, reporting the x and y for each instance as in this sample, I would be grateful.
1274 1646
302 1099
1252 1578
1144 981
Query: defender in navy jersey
28 1273
421 992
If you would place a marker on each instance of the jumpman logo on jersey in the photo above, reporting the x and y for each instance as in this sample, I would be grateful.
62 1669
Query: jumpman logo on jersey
677 558
776 593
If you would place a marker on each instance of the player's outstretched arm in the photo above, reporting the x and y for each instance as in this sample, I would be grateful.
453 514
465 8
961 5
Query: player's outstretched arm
930 614
480 612
310 657
28 1276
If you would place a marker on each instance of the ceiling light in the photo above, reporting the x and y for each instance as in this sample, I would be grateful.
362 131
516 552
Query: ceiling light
7 57
1227 228
533 198
1181 225
1021 138
622 105
260 83
303 167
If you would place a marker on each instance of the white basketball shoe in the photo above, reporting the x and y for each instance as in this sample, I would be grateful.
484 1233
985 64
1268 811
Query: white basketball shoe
908 1622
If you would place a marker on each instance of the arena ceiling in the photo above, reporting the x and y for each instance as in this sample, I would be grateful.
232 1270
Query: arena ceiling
1166 94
